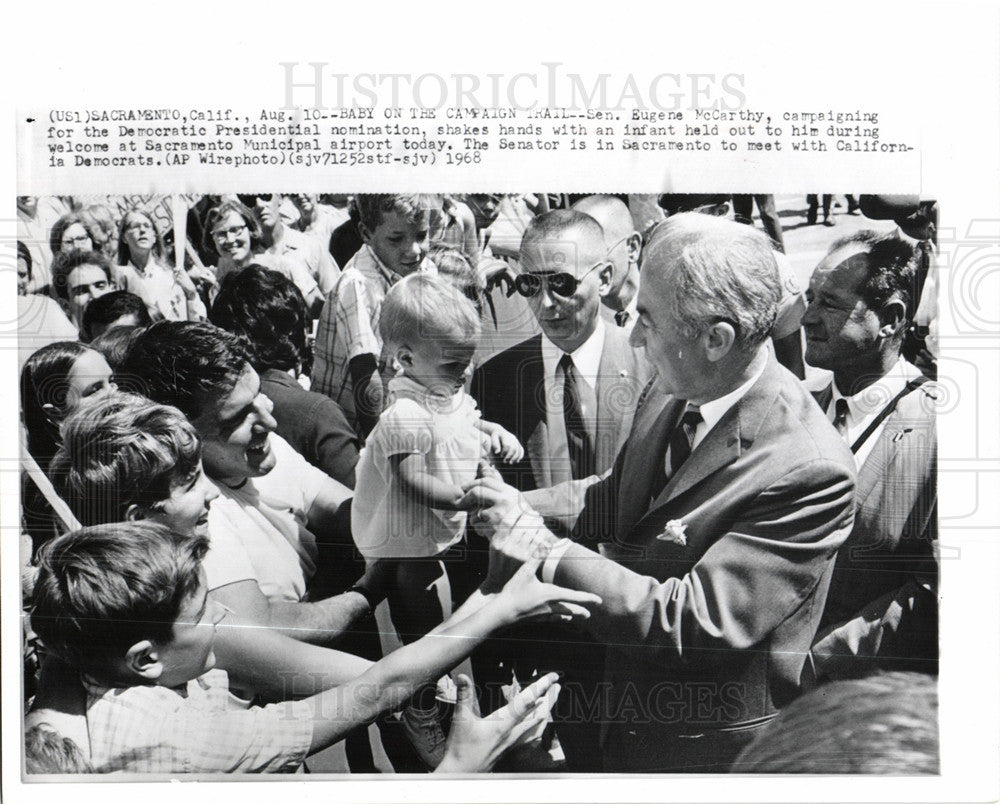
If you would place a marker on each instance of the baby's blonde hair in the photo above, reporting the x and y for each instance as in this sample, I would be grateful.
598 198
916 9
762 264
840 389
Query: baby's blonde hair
427 307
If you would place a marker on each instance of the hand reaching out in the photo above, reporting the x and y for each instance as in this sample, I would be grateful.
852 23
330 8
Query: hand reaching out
476 743
525 597
505 444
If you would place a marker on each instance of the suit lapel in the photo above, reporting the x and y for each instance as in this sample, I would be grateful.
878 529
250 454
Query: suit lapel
612 374
643 459
535 429
725 442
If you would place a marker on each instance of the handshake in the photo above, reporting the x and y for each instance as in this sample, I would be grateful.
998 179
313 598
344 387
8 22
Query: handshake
498 512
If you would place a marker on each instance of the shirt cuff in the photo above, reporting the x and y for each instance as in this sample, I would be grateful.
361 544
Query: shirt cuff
552 560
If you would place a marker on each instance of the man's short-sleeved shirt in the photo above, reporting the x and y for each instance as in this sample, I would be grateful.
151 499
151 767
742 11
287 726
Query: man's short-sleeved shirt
258 531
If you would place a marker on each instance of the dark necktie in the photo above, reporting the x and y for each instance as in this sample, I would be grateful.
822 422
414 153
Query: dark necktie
840 416
680 449
683 437
621 317
581 451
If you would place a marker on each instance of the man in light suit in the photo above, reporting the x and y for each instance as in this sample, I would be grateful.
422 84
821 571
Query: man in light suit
530 390
522 388
722 515
882 607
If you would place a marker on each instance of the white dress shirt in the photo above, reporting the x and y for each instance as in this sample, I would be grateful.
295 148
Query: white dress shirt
864 406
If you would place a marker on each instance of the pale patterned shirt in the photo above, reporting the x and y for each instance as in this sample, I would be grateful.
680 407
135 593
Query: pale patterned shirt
198 727
348 325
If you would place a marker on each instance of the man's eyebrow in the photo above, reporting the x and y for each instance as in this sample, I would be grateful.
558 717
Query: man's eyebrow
237 417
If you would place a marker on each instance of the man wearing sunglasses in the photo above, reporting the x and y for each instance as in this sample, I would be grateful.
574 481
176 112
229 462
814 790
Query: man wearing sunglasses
575 433
568 394
719 522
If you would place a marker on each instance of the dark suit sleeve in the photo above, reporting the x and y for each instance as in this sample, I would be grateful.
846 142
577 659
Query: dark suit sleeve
744 586
335 441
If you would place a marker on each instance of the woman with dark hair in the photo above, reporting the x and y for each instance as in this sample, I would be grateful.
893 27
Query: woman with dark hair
143 270
54 381
268 311
233 232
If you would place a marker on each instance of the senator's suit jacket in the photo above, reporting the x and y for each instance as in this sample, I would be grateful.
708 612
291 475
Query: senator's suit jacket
717 585
882 605
510 390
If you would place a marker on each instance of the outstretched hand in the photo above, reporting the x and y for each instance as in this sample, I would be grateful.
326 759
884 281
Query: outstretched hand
525 597
476 743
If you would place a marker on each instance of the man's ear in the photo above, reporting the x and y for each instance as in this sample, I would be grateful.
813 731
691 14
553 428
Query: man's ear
605 276
365 233
143 660
633 243
718 340
135 513
404 356
893 318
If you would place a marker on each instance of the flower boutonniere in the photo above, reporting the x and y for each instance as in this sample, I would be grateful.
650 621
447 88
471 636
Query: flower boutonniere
674 532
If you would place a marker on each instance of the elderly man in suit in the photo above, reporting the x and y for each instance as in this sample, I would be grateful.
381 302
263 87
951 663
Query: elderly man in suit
882 607
570 392
723 514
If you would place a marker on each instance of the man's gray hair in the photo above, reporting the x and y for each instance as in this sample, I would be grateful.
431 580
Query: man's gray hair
716 270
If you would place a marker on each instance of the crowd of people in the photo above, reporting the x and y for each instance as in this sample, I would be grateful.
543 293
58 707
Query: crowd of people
531 482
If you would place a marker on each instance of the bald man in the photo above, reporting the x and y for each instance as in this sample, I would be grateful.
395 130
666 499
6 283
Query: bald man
624 244
567 272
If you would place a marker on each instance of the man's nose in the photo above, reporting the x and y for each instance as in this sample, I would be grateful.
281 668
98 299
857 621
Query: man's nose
265 421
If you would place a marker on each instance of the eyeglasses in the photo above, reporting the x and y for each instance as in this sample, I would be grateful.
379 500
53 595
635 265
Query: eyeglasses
561 284
251 200
223 235
79 240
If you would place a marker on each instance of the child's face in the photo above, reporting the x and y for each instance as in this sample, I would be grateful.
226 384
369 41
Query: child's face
186 510
191 651
440 367
90 376
399 244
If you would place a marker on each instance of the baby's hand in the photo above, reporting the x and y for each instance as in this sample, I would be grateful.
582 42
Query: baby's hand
506 445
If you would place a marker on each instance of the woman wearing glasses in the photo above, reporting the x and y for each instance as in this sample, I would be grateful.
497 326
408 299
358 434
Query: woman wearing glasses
168 293
234 233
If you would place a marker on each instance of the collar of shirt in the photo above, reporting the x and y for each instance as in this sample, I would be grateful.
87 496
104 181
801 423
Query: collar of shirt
586 359
712 412
863 406
391 277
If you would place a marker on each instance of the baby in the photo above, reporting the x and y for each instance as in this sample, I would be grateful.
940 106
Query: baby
428 442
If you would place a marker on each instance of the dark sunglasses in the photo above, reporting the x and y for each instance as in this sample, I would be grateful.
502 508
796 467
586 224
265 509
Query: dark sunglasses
251 200
561 284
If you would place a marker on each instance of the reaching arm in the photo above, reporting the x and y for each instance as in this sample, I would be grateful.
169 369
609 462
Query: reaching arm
320 623
277 667
396 677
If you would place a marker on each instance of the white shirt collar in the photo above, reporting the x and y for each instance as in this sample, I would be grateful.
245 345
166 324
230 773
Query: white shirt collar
586 358
869 401
713 411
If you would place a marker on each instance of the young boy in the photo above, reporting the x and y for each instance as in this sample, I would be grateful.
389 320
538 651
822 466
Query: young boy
126 606
348 362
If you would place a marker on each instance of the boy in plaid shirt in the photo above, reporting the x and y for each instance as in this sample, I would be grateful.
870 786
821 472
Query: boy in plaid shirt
126 606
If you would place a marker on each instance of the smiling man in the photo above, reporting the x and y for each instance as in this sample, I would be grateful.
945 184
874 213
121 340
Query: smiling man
882 606
273 503
722 514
